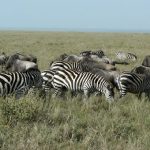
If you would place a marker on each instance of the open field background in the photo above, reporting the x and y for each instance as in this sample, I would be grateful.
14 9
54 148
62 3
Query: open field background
72 124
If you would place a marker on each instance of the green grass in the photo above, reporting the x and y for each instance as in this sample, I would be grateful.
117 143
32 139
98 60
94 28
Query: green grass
73 124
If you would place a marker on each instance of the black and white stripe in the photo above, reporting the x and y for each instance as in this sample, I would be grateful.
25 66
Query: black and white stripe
47 76
133 83
19 83
81 81
77 66
126 56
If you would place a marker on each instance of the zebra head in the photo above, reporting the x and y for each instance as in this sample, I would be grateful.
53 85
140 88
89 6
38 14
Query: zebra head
109 92
105 87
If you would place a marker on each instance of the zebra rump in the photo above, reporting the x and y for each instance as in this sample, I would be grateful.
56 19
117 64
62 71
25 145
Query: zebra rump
133 83
19 83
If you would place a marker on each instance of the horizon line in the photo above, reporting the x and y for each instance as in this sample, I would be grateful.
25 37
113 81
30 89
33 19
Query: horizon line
74 30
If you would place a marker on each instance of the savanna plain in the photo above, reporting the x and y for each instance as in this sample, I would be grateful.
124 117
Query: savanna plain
71 124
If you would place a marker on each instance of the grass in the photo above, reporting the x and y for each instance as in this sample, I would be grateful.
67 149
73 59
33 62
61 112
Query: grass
73 124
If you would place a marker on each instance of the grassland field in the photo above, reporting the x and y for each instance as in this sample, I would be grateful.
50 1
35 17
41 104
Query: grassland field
71 124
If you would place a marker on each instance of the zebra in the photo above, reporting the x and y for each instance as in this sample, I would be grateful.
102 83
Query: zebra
126 56
133 83
19 83
81 81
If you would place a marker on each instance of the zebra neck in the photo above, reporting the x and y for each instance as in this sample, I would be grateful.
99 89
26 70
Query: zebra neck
31 76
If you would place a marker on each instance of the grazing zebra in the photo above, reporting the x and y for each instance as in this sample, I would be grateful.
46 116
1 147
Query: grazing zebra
126 56
19 83
133 83
81 81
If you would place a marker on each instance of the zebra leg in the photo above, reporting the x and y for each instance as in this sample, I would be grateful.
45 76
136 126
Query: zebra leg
98 93
140 95
23 91
19 94
123 92
57 92
147 94
86 94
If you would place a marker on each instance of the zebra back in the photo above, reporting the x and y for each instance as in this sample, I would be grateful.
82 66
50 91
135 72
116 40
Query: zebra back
66 65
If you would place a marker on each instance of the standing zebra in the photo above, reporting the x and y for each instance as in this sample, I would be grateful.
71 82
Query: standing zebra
81 81
19 83
133 83
126 56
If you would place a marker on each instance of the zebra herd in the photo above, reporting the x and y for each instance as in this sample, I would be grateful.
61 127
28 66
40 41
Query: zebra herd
87 73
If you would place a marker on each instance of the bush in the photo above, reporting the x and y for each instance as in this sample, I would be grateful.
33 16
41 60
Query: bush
19 110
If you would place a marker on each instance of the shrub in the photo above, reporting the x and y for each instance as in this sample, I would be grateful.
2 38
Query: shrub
19 110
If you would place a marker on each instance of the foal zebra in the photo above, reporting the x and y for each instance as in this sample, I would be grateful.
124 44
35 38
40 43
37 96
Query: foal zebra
126 56
133 83
19 83
81 81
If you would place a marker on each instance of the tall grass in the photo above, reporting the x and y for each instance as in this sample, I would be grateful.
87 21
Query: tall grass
29 123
